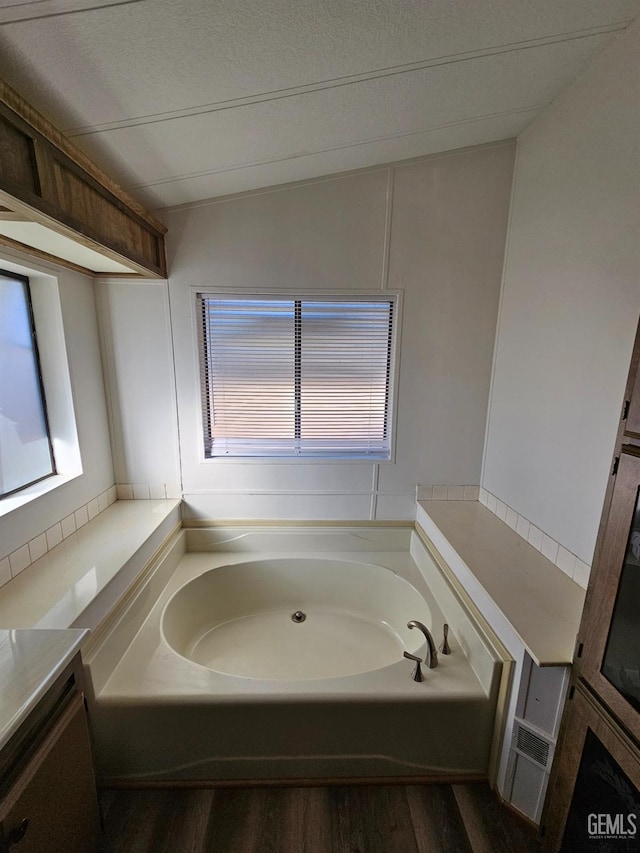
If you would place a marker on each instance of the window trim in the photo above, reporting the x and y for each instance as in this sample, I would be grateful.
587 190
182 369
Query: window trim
395 295
43 397
54 365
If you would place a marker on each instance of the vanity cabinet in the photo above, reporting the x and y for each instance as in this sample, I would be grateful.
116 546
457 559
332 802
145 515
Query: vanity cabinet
597 767
48 800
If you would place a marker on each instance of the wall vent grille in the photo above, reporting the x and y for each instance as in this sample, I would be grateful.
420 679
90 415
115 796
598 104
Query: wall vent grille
532 746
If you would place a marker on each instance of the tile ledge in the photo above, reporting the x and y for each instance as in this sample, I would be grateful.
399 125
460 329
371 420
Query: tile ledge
79 581
506 575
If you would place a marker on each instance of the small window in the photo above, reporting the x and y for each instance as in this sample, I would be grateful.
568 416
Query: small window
306 377
25 447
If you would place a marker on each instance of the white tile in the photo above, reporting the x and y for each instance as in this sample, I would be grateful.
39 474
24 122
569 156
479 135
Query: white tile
511 518
19 560
423 493
440 493
5 571
157 491
522 526
535 537
484 494
581 572
549 548
54 536
501 510
455 493
141 491
103 501
112 495
565 561
124 491
492 502
472 493
68 525
92 508
81 516
37 547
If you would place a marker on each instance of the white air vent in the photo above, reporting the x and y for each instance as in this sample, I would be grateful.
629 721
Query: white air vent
532 745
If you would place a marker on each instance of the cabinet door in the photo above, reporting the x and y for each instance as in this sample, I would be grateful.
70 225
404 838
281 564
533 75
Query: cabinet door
608 655
55 792
631 423
594 802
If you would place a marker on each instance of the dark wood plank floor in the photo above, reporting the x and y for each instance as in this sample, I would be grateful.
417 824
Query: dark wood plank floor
350 819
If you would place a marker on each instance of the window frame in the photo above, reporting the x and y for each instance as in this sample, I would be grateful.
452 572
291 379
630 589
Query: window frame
24 280
395 296
46 304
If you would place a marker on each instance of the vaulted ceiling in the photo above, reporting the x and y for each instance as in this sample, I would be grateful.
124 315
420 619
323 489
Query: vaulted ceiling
182 100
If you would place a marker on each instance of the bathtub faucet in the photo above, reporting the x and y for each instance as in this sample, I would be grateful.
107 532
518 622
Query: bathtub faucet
431 658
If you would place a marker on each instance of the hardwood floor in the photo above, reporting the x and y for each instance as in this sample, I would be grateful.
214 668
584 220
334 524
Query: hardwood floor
351 819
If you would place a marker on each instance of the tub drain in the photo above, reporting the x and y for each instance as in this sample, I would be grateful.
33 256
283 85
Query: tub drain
298 616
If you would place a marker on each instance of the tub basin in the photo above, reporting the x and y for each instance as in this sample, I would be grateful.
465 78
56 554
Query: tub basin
295 619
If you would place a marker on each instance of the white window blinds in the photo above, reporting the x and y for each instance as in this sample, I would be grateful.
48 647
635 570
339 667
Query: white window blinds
306 377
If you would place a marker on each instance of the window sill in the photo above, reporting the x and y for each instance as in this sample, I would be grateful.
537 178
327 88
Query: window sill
31 493
296 460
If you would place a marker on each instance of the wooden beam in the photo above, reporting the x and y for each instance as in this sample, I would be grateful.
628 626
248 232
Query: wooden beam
48 180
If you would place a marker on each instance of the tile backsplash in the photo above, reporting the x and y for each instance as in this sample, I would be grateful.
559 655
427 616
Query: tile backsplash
147 491
19 559
447 493
564 559
15 562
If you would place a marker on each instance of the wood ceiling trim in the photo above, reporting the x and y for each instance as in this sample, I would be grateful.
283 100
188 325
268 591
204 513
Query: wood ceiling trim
43 176
43 256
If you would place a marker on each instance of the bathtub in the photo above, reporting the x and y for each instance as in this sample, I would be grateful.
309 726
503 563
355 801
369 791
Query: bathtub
256 654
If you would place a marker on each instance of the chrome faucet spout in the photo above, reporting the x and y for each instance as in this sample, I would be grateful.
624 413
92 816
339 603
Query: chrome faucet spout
431 658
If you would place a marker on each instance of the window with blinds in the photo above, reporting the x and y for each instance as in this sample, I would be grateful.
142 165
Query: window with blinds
306 377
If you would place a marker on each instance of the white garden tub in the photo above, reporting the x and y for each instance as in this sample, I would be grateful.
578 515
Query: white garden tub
271 654
294 619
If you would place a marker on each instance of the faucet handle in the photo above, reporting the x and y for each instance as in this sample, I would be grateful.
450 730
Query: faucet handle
445 648
417 672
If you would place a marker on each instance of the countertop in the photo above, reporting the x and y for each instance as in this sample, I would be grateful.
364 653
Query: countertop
48 610
500 570
30 662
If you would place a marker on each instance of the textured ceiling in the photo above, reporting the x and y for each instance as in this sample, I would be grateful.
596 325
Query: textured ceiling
182 100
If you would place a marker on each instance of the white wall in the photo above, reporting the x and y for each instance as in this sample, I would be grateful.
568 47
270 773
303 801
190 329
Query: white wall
570 302
77 304
136 344
434 229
